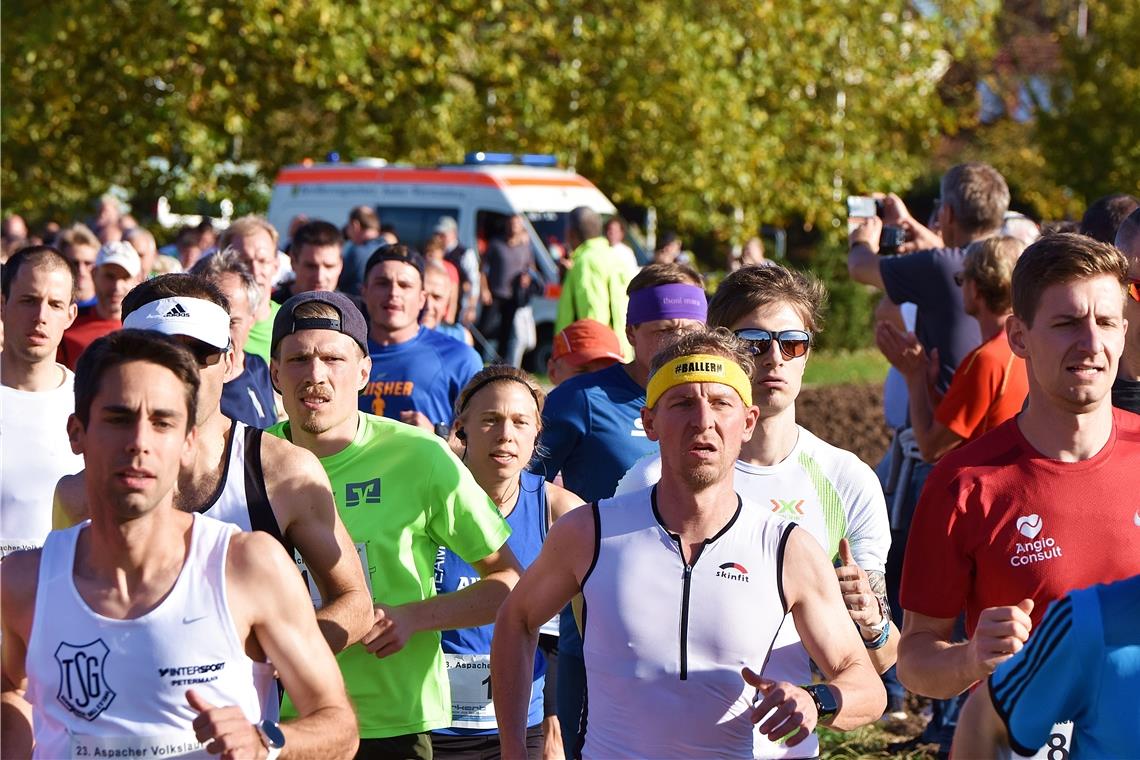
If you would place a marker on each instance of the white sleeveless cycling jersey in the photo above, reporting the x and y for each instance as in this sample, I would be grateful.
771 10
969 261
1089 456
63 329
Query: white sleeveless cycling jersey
664 642
101 687
829 492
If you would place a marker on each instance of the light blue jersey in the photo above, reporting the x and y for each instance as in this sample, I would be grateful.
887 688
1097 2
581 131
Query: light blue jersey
1081 664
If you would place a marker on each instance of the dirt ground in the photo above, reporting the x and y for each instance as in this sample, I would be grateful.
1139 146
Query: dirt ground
847 416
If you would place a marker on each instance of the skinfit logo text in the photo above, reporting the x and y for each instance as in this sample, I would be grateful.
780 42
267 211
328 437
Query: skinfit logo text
734 571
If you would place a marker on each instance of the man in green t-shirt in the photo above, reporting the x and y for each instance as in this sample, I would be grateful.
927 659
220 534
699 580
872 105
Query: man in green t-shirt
401 494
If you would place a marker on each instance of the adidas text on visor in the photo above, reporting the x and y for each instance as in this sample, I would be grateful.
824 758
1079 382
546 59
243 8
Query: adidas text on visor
192 317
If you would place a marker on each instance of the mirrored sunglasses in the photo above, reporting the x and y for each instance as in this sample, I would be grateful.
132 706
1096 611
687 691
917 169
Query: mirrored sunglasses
793 343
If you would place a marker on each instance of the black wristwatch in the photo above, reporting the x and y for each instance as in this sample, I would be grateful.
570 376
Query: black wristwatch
272 737
825 703
443 430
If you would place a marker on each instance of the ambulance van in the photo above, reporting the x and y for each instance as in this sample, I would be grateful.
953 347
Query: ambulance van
479 194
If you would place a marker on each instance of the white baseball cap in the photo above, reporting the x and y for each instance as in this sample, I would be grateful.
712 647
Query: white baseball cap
121 253
192 317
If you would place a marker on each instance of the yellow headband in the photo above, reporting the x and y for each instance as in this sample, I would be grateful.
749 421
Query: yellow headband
699 368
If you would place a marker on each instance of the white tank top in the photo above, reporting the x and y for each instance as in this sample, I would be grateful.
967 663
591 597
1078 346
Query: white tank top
829 493
101 687
664 643
34 453
241 498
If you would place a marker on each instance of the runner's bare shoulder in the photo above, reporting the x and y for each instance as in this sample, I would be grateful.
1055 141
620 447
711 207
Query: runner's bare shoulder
19 577
70 506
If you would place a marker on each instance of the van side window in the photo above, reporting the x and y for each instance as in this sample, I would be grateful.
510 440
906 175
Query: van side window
414 226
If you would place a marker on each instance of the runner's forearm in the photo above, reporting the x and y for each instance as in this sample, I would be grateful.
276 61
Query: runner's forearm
512 666
469 607
345 619
862 696
328 732
885 656
934 667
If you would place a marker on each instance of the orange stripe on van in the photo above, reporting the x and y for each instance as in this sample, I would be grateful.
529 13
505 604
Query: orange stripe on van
568 181
416 176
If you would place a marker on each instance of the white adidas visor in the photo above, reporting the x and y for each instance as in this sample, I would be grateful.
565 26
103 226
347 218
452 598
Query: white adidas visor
192 317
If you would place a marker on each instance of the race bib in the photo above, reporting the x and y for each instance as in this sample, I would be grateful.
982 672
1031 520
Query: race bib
470 679
175 744
314 592
1056 748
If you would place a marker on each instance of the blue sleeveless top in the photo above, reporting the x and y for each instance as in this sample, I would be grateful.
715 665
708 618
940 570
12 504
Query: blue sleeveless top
467 651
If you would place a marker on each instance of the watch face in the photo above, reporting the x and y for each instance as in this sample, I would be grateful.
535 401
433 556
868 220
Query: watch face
273 732
824 700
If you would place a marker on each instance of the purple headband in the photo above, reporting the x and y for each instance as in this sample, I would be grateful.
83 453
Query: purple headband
672 301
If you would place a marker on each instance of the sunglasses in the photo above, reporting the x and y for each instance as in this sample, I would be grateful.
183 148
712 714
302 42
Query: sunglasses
205 355
1134 290
793 343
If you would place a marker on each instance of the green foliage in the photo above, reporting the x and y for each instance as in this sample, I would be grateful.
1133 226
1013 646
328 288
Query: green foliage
1091 141
841 367
776 108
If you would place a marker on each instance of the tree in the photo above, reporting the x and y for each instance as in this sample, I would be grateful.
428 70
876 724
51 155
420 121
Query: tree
1091 137
700 108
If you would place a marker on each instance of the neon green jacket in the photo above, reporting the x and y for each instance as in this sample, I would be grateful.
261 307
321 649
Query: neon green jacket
595 288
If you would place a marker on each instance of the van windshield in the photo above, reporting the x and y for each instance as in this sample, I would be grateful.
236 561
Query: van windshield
550 226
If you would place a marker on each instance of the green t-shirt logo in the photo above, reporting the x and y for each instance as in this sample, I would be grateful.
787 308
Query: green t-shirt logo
369 490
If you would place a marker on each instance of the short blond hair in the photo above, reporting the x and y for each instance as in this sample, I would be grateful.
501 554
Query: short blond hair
989 265
245 226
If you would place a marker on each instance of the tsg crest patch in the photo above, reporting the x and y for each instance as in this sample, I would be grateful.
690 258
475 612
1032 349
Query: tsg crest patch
83 687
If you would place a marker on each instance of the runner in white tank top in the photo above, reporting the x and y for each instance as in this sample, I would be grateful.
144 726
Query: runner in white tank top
147 632
825 490
36 394
685 589
97 684
239 475
677 635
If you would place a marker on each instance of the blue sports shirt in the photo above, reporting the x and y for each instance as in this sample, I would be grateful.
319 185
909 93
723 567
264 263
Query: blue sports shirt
424 374
592 432
249 397
1081 664
467 652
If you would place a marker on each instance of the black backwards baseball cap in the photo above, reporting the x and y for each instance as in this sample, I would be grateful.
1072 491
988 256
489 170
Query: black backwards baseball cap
350 322
396 252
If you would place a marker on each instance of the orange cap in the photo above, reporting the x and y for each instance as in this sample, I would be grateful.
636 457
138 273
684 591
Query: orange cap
586 340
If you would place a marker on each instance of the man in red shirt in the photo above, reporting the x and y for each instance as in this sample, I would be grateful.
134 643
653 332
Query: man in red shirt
1043 504
116 271
990 384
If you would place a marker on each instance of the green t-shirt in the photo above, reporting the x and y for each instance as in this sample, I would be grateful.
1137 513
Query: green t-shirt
261 334
402 494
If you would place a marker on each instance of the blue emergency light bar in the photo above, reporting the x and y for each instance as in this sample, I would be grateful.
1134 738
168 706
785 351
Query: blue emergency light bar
481 158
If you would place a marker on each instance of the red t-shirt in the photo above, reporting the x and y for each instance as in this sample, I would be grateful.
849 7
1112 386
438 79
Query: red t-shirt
85 330
988 388
998 522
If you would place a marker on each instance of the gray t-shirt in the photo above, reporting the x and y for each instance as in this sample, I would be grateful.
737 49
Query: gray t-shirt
503 263
926 278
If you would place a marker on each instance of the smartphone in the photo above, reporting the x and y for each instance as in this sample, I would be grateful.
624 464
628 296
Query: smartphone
862 206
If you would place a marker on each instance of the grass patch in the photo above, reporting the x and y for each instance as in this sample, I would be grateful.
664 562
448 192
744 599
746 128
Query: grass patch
864 365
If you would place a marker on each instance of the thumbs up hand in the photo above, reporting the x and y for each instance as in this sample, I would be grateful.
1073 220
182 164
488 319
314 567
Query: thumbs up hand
225 730
793 715
858 595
